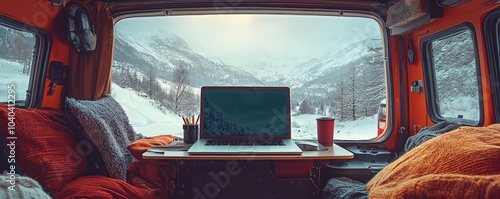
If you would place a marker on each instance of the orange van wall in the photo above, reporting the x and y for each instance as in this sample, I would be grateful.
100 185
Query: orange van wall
467 12
41 14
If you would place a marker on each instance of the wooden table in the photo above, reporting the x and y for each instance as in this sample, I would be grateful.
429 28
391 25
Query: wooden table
334 152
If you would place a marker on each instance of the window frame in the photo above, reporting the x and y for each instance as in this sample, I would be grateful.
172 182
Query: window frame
39 65
492 43
385 35
430 80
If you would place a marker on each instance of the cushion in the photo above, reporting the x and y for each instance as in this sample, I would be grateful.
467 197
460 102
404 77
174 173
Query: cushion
97 187
107 126
24 187
45 146
95 163
463 163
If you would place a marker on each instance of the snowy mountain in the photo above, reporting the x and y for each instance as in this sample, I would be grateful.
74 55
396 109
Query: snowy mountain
313 75
297 71
163 52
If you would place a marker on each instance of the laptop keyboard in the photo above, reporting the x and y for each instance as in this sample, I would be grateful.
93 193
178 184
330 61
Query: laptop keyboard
245 143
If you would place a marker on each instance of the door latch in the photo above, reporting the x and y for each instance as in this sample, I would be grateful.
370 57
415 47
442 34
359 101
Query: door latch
416 86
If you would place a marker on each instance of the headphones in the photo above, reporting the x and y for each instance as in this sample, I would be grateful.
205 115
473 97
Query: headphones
80 29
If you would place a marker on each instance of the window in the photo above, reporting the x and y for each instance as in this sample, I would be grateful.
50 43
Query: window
453 88
334 66
492 32
21 50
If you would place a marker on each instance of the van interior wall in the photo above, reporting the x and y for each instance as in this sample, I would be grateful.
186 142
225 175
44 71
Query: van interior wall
43 15
418 117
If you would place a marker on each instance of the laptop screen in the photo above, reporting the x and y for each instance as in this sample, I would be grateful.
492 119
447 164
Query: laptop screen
245 112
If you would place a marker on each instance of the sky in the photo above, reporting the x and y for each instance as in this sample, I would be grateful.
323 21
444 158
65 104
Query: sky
242 37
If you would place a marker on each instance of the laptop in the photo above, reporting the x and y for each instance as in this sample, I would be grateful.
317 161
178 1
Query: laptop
245 120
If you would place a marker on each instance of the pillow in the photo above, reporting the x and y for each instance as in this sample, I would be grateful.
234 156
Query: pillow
25 187
45 146
463 163
105 123
95 163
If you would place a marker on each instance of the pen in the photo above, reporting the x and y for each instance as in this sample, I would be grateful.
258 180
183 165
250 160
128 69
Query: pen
197 119
156 151
192 119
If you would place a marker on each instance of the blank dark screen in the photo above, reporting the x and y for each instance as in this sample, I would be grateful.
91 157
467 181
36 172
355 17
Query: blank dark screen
245 112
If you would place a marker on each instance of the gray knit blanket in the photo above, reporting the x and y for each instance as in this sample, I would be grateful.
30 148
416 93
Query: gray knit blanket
341 188
428 133
106 125
24 188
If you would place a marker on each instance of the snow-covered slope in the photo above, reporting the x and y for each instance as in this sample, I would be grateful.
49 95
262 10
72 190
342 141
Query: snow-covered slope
144 116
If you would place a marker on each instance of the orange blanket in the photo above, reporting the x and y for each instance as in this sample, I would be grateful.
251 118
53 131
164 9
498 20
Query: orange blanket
464 163
151 174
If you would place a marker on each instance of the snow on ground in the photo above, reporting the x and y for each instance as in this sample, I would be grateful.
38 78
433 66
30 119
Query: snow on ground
304 127
143 116
149 120
466 106
11 73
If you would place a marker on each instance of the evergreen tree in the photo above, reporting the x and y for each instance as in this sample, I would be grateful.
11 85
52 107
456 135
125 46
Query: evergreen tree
305 107
321 109
339 101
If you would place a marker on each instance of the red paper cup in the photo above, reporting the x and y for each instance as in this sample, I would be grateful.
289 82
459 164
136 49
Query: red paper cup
325 130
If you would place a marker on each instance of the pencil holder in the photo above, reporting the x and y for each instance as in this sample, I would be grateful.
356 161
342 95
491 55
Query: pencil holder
190 133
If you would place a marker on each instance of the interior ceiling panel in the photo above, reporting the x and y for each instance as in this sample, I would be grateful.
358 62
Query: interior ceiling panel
119 6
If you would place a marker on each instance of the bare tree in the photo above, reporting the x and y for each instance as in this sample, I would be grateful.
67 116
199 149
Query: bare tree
190 104
180 88
373 74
